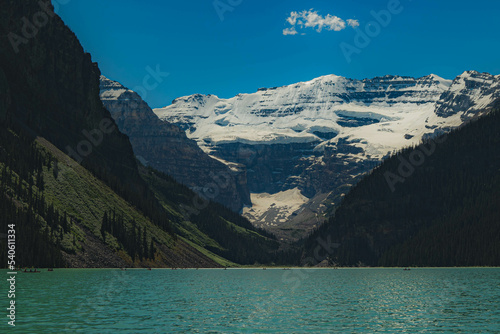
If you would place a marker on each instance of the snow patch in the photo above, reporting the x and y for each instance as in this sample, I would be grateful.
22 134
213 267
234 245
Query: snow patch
274 209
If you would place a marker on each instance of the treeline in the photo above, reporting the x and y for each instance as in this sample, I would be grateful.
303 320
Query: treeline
134 239
21 181
128 184
34 245
43 231
240 246
241 241
442 211
39 227
239 220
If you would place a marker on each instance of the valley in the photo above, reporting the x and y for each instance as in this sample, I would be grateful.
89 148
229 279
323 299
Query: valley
101 179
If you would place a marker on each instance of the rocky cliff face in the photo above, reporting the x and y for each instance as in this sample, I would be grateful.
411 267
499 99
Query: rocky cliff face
319 137
470 93
166 148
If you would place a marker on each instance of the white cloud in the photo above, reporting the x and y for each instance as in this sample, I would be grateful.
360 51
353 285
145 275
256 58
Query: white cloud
311 19
353 23
290 31
293 18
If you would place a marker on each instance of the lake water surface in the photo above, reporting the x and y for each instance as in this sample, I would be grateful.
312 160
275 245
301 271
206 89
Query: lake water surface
454 300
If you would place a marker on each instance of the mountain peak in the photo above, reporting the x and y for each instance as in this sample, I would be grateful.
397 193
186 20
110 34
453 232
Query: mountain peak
113 90
436 77
475 74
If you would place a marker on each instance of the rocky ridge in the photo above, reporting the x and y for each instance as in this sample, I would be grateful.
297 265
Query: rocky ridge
166 147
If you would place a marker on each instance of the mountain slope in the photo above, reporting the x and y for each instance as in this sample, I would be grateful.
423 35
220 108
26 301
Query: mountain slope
64 207
165 147
69 178
317 138
211 225
432 205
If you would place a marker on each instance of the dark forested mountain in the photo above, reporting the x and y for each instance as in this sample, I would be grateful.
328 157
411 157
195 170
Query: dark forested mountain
69 180
431 205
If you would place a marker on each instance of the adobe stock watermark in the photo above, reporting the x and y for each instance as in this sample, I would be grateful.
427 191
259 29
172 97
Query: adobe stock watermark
295 278
117 284
415 159
94 137
11 274
31 26
323 251
223 6
204 195
151 81
371 30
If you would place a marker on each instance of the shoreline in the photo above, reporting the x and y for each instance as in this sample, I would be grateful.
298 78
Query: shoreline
250 268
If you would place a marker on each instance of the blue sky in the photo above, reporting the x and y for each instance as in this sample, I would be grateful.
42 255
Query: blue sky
242 46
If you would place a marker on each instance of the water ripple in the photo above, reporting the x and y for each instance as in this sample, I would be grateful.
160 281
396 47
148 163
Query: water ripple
256 301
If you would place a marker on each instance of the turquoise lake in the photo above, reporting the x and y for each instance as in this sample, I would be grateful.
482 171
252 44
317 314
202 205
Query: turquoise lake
457 300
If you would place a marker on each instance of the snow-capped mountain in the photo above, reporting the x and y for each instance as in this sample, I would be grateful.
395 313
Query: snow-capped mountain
319 136
305 112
